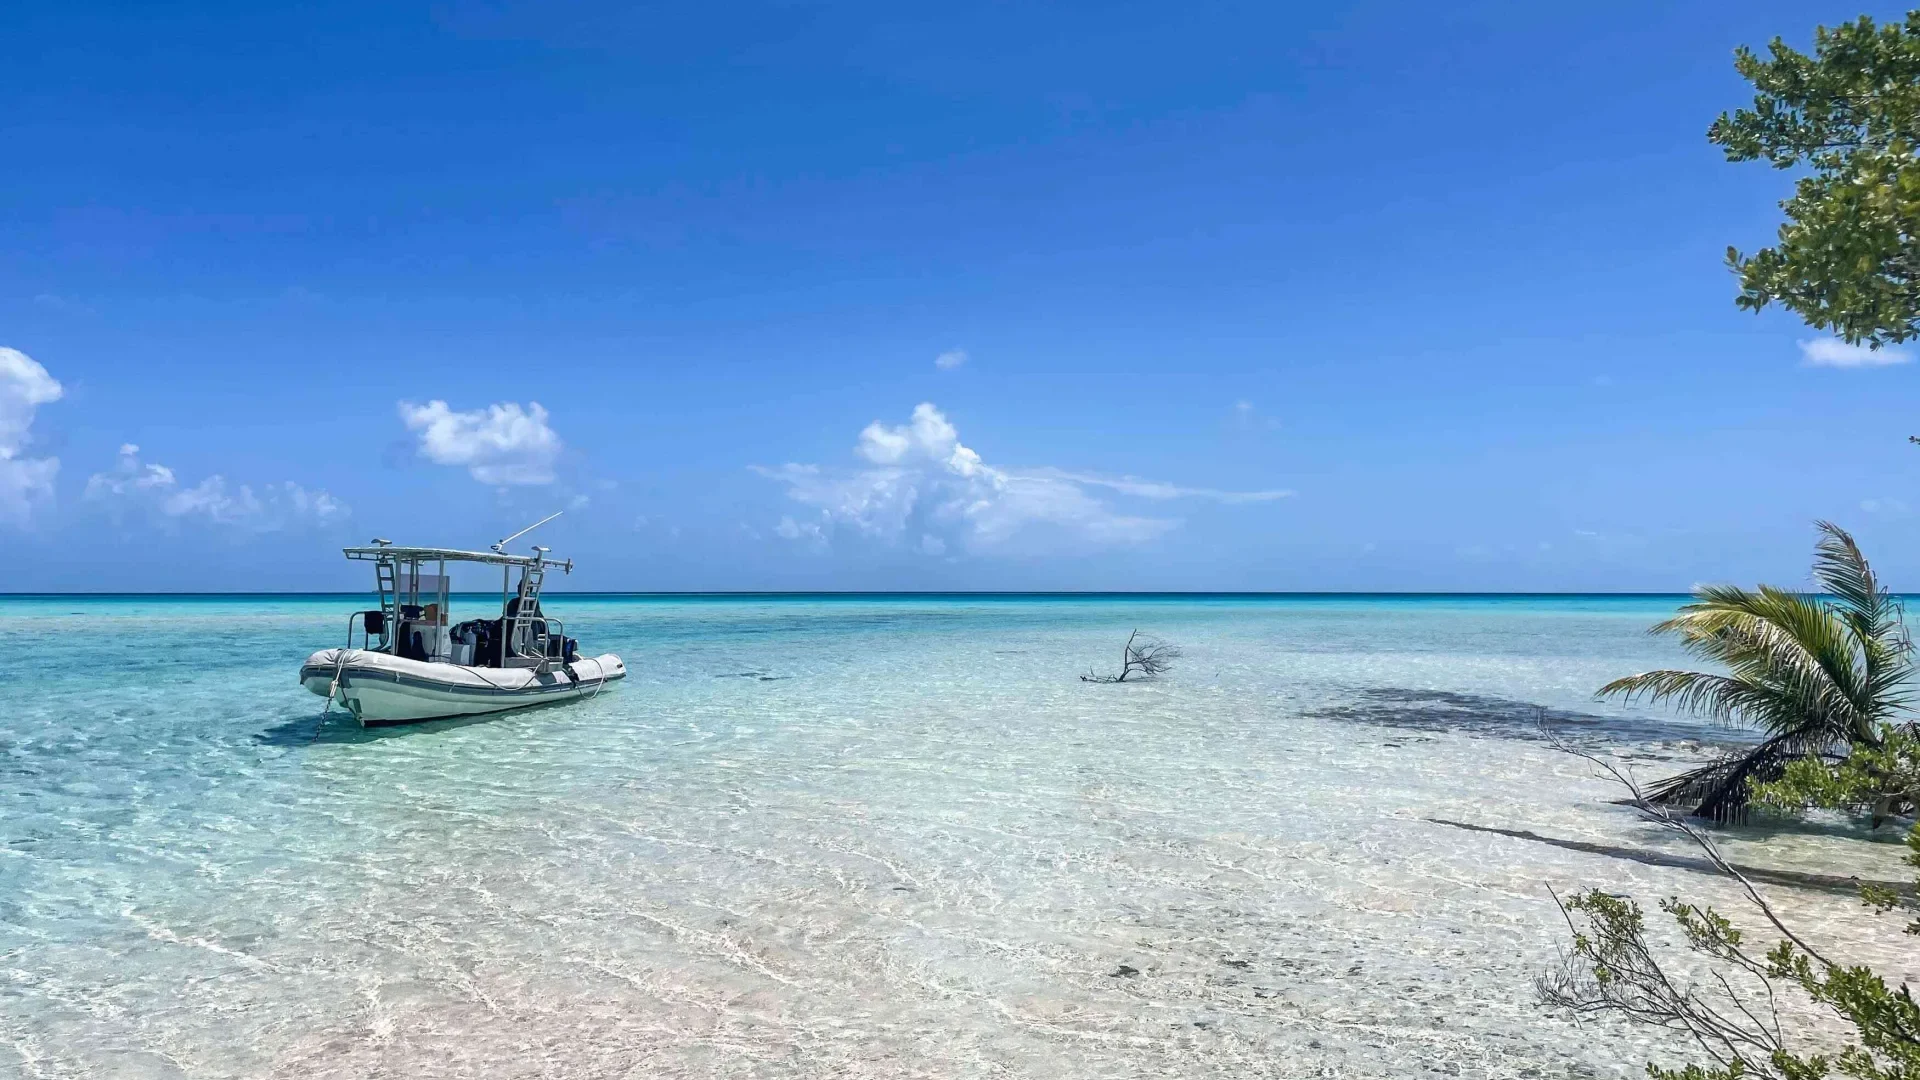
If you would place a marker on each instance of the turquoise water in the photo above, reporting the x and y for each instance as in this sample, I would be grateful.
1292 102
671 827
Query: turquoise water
836 836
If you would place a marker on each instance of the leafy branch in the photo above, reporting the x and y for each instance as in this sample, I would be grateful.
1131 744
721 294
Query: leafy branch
1611 968
1848 255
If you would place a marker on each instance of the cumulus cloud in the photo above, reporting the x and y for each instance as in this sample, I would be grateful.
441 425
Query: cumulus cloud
924 488
950 359
24 482
929 436
131 476
136 486
1832 352
502 444
24 387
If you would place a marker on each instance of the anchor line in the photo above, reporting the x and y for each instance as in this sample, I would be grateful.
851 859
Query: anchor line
339 670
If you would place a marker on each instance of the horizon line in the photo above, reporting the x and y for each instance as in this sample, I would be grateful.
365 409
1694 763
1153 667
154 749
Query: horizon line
879 592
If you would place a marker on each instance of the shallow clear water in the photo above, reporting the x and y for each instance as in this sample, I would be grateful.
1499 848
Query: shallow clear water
838 837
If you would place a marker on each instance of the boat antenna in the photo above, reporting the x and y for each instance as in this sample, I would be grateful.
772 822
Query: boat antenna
502 545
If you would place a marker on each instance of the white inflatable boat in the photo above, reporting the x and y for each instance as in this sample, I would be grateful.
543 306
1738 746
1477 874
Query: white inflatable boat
378 688
414 663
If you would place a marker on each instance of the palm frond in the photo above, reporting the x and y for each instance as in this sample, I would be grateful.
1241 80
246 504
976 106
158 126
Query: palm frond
1812 681
1842 571
1720 698
1795 643
1721 790
1874 616
1712 606
1773 681
1728 625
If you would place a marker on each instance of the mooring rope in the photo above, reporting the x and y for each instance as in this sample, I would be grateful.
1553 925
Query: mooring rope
339 670
602 684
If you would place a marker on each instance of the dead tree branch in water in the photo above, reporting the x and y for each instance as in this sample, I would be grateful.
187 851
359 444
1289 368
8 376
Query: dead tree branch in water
1143 658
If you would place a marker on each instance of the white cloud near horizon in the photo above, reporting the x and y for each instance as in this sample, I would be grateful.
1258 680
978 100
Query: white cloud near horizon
502 444
148 487
950 359
1834 353
926 488
24 481
1154 489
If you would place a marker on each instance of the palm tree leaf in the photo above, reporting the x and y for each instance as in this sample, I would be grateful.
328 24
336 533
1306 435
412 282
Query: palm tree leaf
1813 687
1785 640
1771 684
1772 619
1715 697
1722 789
1711 606
1842 571
1873 614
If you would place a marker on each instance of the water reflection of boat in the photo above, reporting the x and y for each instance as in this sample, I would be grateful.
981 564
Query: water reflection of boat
414 663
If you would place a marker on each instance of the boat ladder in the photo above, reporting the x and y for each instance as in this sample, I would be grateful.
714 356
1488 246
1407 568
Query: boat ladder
528 603
386 579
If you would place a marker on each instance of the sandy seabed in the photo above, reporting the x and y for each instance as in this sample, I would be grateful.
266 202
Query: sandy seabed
883 838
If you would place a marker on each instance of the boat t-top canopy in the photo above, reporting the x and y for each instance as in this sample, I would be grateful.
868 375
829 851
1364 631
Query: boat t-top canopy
414 591
382 551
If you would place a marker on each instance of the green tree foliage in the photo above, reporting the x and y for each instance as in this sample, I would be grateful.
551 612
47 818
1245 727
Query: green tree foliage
1880 781
1734 1017
1612 968
1848 255
1817 672
1823 675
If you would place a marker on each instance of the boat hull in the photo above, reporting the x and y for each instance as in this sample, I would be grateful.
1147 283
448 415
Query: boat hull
379 688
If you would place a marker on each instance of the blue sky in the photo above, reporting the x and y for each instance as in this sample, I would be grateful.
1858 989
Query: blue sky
1368 296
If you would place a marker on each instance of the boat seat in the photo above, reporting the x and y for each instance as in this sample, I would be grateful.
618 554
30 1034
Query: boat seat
413 646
